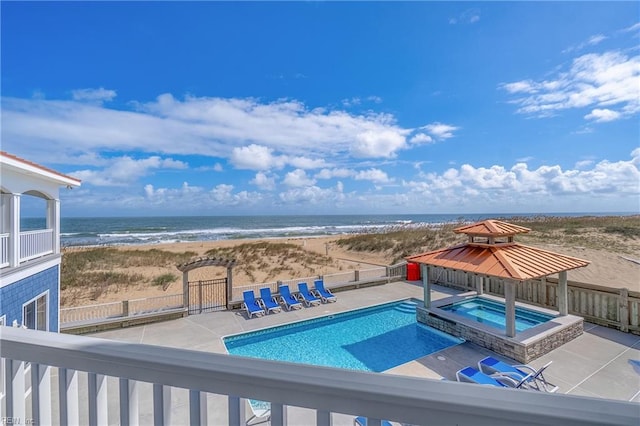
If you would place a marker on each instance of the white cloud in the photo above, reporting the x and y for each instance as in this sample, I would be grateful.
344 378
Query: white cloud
378 144
440 130
254 157
298 178
122 171
313 195
93 95
602 115
632 28
596 81
469 16
525 159
287 130
333 173
262 181
306 163
497 183
373 175
582 164
421 138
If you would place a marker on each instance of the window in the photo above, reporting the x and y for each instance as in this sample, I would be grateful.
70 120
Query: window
34 313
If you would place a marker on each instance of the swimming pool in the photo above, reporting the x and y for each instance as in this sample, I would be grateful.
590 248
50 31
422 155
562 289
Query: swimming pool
492 313
370 339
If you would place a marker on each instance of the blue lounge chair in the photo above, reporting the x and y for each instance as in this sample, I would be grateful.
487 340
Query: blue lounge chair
491 365
324 294
304 295
287 298
471 375
269 302
362 421
251 305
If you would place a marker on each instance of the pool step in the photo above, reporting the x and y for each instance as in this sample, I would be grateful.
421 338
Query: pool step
407 307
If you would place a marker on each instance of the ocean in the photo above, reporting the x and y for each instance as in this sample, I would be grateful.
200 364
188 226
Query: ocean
153 230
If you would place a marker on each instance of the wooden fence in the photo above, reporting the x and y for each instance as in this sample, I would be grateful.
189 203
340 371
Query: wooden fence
610 307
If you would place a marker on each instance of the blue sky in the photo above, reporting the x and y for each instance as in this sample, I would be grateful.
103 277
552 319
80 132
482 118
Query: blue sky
212 108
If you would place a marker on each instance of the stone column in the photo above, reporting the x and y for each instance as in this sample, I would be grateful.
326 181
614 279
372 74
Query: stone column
563 305
510 307
426 284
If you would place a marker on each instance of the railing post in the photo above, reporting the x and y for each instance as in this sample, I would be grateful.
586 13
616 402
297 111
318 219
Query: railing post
197 408
68 386
323 418
97 384
125 308
128 402
200 295
278 415
237 416
356 275
41 394
14 398
624 310
161 405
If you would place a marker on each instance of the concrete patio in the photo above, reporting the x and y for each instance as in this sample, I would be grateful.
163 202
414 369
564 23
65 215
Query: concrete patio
601 363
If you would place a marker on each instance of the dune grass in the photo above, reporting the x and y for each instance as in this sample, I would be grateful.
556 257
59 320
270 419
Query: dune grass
96 267
617 233
274 257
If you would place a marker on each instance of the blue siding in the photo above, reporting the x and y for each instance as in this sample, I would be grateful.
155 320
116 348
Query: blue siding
13 296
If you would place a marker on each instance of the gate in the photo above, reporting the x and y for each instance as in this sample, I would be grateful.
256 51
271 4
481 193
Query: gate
207 296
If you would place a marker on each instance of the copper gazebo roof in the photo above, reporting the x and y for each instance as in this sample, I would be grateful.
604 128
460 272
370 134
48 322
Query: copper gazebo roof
499 259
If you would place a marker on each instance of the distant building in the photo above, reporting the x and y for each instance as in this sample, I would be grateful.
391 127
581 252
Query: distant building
30 259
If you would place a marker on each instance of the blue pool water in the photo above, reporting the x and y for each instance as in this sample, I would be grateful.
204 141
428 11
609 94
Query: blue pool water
371 339
492 313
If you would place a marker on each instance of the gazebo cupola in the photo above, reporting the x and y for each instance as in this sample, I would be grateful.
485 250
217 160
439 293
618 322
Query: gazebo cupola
491 232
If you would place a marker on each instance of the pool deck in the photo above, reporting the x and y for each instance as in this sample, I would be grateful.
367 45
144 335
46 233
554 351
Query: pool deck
601 363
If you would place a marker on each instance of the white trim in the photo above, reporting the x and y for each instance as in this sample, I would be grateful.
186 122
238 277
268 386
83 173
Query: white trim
27 270
35 300
32 169
3 320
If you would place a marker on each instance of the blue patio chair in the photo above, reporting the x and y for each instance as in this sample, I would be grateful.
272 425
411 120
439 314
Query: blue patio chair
324 294
304 295
471 375
269 302
251 305
491 365
287 298
362 421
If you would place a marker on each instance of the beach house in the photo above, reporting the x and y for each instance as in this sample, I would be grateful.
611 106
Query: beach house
30 259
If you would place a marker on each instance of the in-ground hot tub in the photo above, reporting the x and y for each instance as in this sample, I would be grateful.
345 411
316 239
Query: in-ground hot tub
481 320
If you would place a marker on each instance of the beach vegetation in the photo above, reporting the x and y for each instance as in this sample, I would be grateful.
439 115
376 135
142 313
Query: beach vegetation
164 279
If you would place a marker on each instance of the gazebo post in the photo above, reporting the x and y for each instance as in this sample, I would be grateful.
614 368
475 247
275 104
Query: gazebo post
563 305
510 307
426 285
479 282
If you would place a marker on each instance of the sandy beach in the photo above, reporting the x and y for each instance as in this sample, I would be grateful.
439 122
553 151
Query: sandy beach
608 268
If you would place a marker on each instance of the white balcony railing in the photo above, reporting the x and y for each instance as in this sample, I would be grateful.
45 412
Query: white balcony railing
4 250
209 376
35 244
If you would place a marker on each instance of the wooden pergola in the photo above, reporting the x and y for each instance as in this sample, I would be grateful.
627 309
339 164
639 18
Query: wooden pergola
492 252
202 262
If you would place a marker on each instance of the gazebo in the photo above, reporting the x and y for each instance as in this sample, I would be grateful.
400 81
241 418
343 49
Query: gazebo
491 252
